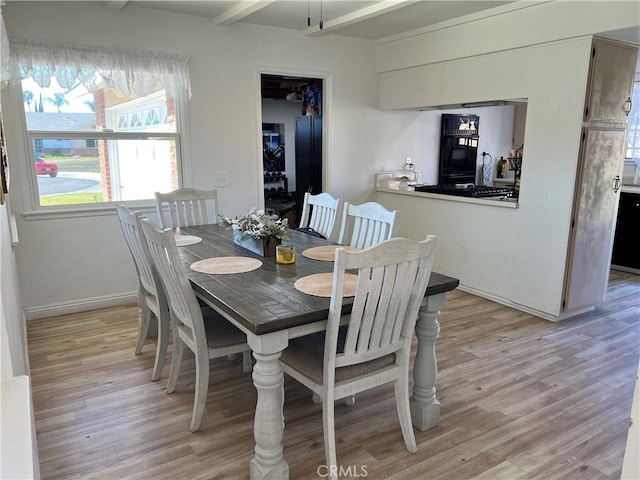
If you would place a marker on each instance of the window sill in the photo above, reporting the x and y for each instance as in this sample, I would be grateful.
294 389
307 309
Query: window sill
73 212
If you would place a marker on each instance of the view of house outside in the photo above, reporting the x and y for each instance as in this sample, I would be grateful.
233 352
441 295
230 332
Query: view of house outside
87 147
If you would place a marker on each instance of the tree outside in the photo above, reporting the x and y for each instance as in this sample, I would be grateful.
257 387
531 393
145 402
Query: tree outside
27 96
58 100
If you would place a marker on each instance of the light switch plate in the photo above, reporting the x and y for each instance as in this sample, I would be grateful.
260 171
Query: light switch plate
221 179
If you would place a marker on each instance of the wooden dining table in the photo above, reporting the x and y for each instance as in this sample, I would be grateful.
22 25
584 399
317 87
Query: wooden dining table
265 305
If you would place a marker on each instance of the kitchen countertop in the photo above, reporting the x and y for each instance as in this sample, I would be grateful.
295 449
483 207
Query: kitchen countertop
630 189
490 201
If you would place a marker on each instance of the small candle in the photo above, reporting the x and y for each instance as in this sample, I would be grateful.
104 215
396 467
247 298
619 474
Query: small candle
286 253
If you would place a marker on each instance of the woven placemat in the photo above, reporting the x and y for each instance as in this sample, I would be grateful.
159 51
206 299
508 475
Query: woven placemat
320 284
326 253
226 265
183 240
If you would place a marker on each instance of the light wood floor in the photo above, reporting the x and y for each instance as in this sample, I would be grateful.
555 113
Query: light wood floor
522 398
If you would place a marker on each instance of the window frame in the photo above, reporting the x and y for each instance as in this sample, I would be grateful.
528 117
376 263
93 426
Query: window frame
29 180
632 137
165 66
634 126
32 135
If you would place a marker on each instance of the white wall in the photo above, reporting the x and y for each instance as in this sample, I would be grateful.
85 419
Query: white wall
18 456
82 262
529 243
516 25
514 255
13 349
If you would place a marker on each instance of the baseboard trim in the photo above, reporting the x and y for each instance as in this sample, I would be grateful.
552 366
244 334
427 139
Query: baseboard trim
625 269
82 305
508 303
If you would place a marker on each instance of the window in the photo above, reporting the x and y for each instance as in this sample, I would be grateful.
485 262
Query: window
100 130
631 172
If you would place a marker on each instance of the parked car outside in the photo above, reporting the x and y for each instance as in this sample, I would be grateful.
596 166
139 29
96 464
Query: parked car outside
46 168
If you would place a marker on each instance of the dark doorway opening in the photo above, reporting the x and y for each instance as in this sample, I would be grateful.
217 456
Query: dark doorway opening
292 128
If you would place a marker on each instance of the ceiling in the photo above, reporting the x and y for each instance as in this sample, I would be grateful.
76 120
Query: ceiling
365 19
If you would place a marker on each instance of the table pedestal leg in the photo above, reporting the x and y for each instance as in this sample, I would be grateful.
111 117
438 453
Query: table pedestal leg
268 462
425 408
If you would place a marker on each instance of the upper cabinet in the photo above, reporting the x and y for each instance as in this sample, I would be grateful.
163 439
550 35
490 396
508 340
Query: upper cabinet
610 82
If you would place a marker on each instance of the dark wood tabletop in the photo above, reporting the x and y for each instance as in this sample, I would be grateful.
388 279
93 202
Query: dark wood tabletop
265 300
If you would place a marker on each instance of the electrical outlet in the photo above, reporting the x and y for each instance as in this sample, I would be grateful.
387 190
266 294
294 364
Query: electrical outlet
221 179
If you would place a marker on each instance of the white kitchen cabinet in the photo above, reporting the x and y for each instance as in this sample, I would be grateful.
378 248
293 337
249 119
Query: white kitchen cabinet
610 82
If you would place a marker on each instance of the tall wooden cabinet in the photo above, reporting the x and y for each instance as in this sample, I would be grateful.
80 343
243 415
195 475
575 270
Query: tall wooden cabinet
308 157
597 191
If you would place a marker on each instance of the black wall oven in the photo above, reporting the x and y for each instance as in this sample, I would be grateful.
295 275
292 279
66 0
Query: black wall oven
458 149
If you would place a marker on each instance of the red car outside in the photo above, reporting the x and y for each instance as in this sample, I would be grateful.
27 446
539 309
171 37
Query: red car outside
46 168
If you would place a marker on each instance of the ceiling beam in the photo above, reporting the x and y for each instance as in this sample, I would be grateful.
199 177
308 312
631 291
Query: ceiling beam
380 8
240 10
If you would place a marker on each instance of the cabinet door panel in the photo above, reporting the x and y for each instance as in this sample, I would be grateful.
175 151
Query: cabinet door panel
594 218
308 157
611 81
626 245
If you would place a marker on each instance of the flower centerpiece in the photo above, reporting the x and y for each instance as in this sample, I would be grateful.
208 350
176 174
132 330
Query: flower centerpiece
258 231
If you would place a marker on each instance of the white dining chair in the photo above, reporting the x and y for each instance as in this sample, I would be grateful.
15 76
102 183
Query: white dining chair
365 225
322 213
186 207
374 348
152 300
206 333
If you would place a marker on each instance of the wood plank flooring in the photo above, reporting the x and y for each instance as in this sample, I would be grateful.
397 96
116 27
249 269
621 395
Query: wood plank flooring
522 398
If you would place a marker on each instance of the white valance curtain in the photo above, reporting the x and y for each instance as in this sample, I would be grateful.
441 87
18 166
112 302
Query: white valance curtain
132 71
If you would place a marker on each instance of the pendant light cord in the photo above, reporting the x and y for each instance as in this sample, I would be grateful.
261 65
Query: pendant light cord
321 24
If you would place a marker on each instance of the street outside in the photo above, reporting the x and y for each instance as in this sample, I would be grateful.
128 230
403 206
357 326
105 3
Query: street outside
69 182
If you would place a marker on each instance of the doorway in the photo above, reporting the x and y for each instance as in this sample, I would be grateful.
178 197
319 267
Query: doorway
292 133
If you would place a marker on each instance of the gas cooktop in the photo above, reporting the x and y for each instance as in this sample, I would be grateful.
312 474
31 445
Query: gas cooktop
468 191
